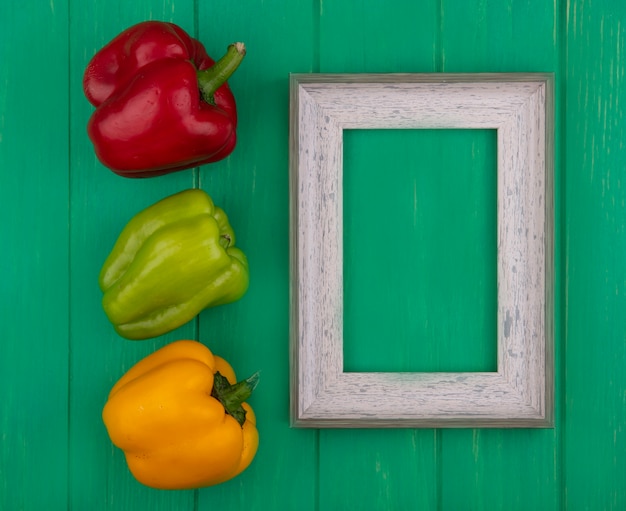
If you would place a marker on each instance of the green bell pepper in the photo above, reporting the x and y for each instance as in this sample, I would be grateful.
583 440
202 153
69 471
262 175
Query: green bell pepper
172 260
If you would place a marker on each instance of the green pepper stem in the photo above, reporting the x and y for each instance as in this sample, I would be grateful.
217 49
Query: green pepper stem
225 240
209 80
232 396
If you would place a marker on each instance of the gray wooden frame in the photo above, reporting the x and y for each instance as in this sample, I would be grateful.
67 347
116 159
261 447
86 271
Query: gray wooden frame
521 108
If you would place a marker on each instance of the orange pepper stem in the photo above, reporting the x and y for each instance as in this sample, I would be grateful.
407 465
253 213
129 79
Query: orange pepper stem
211 79
232 396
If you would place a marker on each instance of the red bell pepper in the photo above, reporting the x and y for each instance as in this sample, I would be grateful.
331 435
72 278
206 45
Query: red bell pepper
162 104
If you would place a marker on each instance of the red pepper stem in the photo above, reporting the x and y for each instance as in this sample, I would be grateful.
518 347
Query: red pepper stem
232 396
209 80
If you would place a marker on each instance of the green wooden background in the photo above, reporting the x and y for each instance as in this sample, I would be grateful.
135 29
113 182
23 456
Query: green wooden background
420 284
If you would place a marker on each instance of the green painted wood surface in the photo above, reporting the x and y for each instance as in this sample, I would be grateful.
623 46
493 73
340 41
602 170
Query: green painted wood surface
446 273
431 208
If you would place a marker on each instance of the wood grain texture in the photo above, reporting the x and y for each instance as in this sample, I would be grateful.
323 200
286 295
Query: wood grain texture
431 169
252 185
34 294
61 212
523 465
372 467
323 106
101 203
595 251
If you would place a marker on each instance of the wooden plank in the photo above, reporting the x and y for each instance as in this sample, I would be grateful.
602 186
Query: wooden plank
495 36
500 469
57 340
378 469
252 186
101 204
440 201
595 223
373 37
34 259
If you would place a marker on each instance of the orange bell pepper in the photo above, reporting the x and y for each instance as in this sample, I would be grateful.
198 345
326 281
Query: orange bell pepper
181 420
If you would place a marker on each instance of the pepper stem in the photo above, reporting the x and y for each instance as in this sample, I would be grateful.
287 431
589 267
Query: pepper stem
232 396
225 240
209 80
